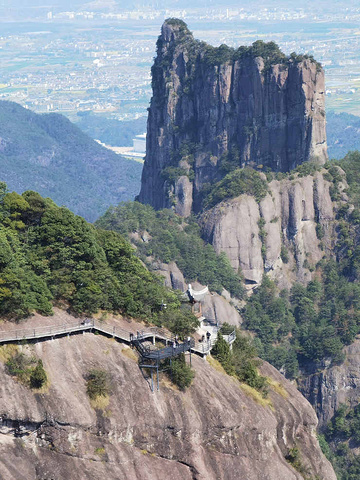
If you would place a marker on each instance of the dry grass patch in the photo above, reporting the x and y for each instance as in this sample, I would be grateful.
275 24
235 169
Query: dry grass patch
215 364
277 387
165 382
129 353
256 396
101 402
8 351
100 451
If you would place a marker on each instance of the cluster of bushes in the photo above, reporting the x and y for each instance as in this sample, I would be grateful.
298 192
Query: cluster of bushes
28 370
172 238
181 373
212 56
294 458
240 181
241 361
97 384
269 51
351 165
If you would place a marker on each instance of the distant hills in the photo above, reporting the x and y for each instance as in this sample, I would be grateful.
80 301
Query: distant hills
50 155
110 131
343 133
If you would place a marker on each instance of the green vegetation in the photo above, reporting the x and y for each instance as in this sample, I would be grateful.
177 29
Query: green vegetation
181 373
50 255
294 458
341 440
313 323
214 56
262 236
284 254
176 22
22 367
270 52
171 174
218 55
230 160
181 322
241 361
307 168
97 384
38 377
168 237
240 181
50 155
351 165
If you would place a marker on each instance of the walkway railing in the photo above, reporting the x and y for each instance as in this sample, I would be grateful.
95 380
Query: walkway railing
172 350
152 333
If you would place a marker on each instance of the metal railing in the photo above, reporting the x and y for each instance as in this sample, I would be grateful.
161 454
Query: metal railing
28 334
161 353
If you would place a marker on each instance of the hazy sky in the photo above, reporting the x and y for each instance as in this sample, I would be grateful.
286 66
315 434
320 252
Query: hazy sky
125 4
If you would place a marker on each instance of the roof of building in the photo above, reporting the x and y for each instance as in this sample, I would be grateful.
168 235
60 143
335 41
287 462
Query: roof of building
197 294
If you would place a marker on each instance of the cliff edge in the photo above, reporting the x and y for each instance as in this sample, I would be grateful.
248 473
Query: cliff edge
217 109
216 429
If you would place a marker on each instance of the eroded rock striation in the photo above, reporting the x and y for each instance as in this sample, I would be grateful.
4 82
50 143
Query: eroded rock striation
214 430
280 234
215 109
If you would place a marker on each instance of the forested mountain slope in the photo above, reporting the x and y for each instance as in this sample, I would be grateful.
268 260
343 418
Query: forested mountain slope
50 155
49 256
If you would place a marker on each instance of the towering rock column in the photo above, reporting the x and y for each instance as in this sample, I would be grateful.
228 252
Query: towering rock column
216 109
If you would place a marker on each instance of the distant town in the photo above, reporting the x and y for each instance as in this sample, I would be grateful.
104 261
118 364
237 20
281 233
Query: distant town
104 65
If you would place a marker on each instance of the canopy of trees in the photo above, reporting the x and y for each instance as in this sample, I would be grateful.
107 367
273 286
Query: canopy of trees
49 255
168 237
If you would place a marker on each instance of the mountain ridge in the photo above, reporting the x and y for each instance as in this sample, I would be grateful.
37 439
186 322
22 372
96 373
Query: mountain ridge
47 153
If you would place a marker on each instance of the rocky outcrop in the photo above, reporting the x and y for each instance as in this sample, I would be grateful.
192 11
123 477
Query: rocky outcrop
332 386
279 234
214 109
171 273
214 430
215 308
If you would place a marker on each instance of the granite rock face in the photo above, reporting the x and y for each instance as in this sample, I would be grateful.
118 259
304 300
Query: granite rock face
215 109
214 430
291 214
216 308
334 385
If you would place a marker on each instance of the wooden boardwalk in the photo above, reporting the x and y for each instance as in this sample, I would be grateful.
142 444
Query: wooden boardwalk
91 325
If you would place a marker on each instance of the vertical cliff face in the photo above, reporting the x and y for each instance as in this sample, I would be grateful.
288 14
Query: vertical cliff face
334 386
291 215
216 109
